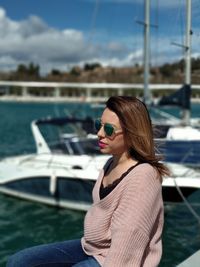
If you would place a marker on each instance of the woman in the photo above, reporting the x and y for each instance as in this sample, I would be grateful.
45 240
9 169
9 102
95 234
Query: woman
123 227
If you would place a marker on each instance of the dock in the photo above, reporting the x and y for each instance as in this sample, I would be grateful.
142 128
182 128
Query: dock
81 92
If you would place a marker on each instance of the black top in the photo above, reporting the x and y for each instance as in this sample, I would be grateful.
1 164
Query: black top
104 191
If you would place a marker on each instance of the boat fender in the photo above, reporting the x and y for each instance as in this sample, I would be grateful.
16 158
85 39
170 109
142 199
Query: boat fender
53 184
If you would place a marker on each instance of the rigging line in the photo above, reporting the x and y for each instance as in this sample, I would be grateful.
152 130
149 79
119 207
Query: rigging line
194 213
196 16
156 39
182 31
182 27
93 21
136 58
157 32
177 20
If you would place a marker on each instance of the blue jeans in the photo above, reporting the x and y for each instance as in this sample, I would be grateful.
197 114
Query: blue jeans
60 254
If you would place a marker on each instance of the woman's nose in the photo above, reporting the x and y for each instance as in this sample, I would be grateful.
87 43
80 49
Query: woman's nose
101 132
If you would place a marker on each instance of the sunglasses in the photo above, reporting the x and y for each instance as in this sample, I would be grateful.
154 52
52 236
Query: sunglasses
108 128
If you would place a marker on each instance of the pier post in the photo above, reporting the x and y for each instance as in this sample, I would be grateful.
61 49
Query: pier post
120 91
7 90
24 91
88 94
57 92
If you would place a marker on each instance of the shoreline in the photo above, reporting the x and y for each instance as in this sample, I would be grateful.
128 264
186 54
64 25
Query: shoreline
28 99
52 99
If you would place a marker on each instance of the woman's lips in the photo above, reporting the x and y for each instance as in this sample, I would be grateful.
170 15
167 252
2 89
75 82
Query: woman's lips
101 144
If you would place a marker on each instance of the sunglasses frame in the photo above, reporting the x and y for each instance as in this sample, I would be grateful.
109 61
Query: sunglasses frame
106 130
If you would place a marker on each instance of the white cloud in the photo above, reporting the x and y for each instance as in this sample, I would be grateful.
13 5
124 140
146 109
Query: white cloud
32 40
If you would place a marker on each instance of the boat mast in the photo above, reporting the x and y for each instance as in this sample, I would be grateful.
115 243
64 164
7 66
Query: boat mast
146 60
186 112
188 44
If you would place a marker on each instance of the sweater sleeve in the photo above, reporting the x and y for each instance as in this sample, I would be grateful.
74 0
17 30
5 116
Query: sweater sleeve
135 239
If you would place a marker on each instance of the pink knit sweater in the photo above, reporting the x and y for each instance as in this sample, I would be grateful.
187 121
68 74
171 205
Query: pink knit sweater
124 228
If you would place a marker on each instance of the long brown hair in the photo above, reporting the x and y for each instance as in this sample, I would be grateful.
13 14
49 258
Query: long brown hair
138 130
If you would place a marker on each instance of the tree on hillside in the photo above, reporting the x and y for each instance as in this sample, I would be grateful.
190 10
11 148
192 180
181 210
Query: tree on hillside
55 72
33 70
24 72
195 63
91 66
166 70
75 71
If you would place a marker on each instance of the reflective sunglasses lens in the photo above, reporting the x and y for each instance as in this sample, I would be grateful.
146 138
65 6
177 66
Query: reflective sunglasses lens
97 125
109 129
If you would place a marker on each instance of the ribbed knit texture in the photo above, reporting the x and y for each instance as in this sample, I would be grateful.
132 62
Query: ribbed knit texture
124 228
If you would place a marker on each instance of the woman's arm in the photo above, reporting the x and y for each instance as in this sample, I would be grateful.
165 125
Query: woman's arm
137 222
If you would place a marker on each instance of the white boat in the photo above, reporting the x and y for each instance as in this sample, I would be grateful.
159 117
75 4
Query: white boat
63 174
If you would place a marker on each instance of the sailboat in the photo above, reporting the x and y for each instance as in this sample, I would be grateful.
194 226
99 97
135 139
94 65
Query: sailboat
179 139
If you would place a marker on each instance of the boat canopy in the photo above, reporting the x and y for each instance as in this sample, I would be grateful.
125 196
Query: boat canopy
87 123
180 98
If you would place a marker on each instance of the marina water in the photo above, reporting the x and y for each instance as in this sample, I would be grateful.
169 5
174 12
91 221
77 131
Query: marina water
24 223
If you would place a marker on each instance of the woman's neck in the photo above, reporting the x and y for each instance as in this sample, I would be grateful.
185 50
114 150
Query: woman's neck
122 159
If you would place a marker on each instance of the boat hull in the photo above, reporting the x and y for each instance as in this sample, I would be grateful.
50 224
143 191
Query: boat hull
67 193
75 193
68 181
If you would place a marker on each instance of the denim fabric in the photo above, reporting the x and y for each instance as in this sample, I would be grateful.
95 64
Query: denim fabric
60 254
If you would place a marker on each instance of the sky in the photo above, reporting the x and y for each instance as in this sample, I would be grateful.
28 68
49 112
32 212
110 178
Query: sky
66 33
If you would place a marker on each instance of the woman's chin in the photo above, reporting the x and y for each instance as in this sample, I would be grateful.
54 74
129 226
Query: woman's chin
104 150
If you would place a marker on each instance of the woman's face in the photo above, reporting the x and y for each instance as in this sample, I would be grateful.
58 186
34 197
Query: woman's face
115 143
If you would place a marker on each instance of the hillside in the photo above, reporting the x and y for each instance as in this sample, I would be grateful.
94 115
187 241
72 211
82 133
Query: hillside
167 73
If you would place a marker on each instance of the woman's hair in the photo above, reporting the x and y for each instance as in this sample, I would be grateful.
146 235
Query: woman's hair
138 130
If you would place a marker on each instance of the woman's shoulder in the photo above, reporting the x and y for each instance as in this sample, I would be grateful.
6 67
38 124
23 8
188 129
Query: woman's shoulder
146 172
146 167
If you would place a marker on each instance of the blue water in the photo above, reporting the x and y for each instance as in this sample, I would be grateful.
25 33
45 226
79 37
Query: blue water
24 223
